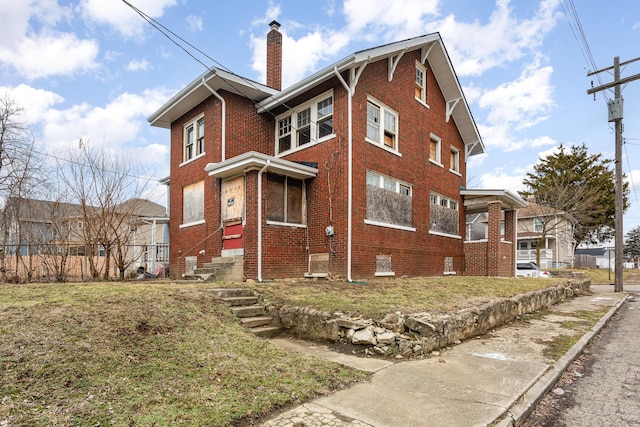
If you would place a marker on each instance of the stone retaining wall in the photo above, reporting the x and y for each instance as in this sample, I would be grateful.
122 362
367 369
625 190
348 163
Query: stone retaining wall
417 334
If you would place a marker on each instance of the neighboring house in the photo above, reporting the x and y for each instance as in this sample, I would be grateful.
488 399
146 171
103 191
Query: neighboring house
596 257
549 230
48 230
356 171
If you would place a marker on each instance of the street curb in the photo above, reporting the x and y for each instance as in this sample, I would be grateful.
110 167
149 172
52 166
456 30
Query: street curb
518 413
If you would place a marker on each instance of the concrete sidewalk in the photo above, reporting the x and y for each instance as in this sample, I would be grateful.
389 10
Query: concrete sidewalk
493 379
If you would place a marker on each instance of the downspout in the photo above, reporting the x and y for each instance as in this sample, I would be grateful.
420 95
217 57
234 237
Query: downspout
223 118
260 219
351 88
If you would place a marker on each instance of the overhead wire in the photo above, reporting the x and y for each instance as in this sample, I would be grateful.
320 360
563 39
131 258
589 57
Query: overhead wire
168 33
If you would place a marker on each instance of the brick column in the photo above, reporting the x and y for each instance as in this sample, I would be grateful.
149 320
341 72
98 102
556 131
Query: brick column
493 238
510 235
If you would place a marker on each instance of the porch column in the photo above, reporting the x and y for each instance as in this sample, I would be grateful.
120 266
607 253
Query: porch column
511 236
493 238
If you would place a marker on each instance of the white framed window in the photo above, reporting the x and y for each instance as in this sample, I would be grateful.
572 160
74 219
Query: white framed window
435 145
193 204
454 160
308 123
194 138
389 202
538 225
382 125
443 215
421 83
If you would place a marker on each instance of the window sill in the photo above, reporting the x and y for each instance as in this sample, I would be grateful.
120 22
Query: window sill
384 274
192 159
191 224
438 233
421 101
307 145
455 172
384 147
436 163
286 224
449 273
387 225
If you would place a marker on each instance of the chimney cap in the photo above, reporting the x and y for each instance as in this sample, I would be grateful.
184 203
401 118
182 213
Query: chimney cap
274 25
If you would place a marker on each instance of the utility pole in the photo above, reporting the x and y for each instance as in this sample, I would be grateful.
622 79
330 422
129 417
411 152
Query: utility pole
615 115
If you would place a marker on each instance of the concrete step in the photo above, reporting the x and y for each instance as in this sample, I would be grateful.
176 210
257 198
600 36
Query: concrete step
253 322
232 292
248 311
266 331
240 301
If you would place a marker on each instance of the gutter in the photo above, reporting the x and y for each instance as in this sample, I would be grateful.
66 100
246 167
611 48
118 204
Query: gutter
223 118
260 219
351 88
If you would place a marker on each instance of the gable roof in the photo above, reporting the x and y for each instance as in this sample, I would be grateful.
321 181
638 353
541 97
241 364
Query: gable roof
432 49
534 210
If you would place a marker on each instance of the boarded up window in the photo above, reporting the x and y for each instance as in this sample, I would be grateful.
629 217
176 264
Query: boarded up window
285 199
383 263
388 200
443 215
232 199
275 198
193 203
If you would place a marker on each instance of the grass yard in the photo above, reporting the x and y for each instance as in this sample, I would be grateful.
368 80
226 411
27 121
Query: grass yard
141 354
375 298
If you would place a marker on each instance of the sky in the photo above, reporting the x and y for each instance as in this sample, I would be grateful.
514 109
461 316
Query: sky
95 70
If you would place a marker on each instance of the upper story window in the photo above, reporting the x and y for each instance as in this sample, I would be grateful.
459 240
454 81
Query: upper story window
382 125
538 225
454 160
435 144
421 83
311 122
194 138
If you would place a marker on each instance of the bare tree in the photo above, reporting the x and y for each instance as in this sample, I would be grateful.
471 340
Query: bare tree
22 175
101 182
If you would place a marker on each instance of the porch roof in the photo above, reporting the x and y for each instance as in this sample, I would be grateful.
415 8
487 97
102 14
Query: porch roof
477 200
253 160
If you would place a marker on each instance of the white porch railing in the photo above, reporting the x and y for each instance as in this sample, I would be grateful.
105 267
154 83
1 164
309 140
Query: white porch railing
546 257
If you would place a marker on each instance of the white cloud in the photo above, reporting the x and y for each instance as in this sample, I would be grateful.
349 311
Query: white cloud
499 179
476 47
372 17
299 56
138 65
121 17
39 56
33 102
35 50
194 23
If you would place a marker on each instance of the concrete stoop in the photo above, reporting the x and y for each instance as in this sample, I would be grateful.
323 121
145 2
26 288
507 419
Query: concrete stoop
248 307
224 269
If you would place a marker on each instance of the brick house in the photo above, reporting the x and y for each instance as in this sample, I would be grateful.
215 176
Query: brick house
355 171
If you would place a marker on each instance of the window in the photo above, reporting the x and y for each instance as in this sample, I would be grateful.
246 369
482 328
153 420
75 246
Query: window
538 226
194 139
454 160
434 149
193 203
421 82
382 125
285 199
389 200
308 123
443 216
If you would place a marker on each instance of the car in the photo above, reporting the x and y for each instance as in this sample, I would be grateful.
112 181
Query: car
530 269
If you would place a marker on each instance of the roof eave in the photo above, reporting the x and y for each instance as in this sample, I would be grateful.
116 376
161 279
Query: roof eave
253 160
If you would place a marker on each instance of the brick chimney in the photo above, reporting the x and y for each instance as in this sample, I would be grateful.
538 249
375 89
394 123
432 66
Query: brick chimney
274 56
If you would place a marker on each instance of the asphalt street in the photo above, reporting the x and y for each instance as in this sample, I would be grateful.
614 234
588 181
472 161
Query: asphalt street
603 387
